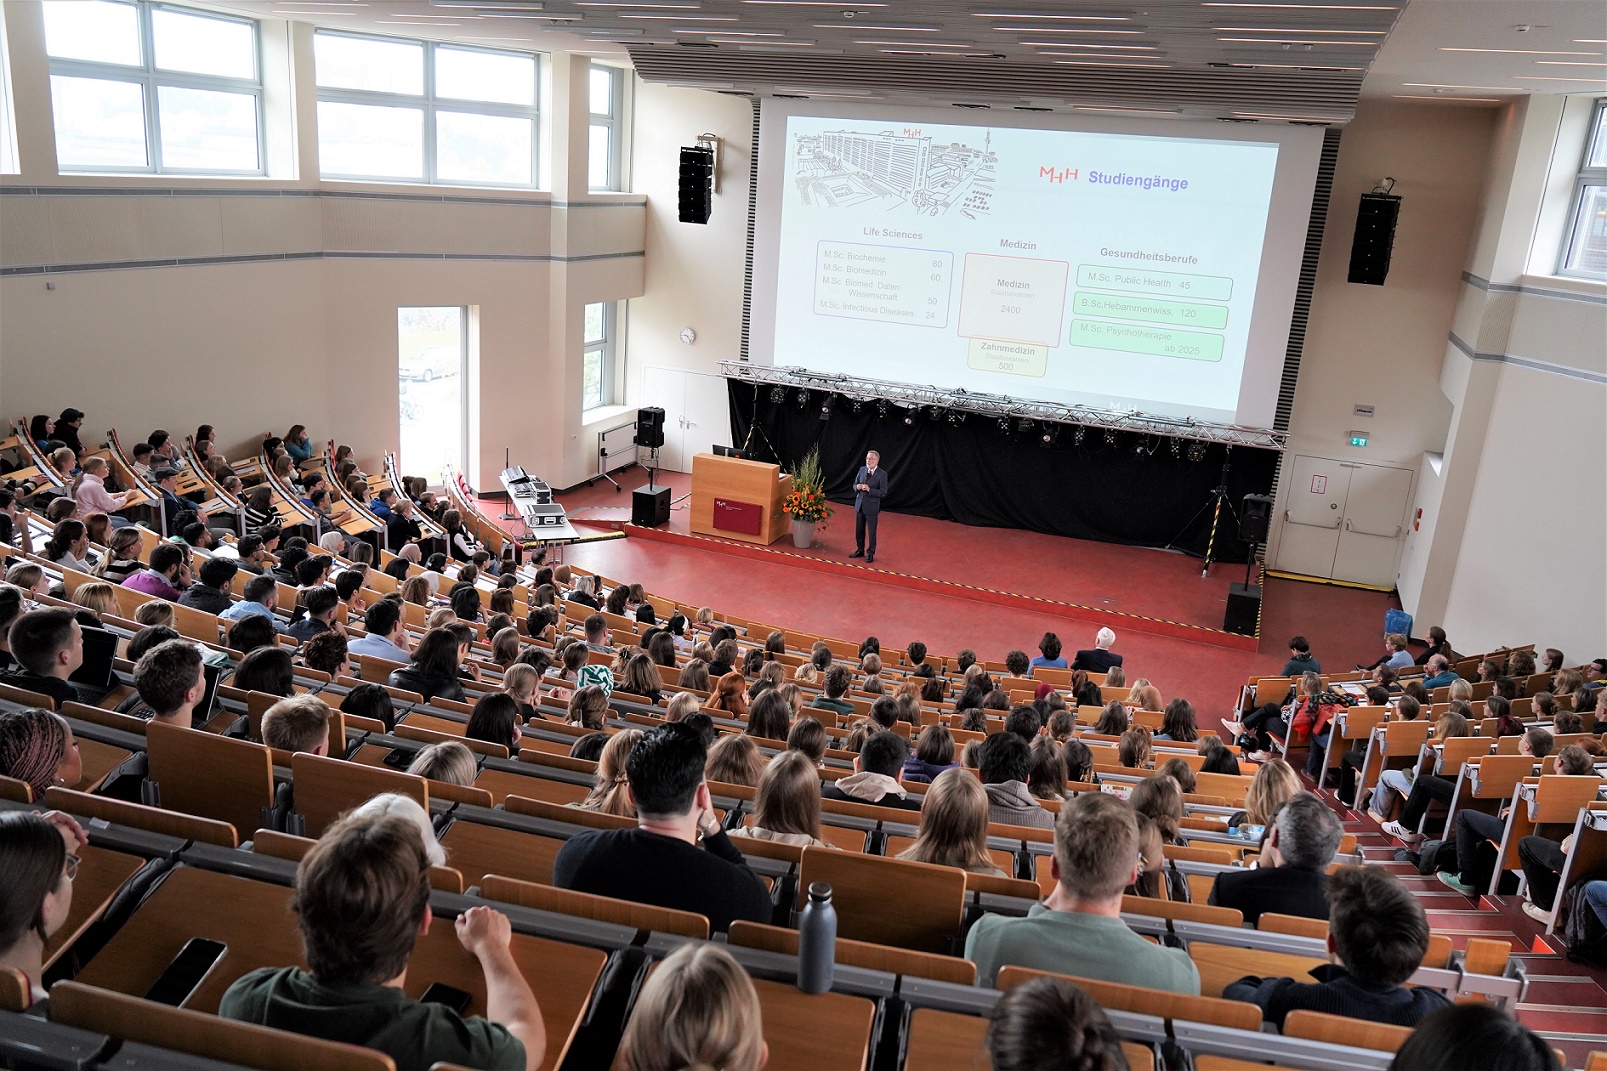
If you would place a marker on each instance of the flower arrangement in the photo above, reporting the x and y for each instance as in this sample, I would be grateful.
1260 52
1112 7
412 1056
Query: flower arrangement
807 499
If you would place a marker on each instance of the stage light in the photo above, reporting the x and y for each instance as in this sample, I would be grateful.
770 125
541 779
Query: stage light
1110 437
1025 425
1079 435
778 395
855 406
1196 452
1050 434
881 408
937 413
825 408
1004 424
909 418
1177 447
1138 448
803 398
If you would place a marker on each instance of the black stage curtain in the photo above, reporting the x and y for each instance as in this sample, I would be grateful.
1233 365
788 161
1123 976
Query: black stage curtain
975 474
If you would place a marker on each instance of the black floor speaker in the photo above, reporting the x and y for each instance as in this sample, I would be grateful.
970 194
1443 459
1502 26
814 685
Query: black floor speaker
650 506
1244 609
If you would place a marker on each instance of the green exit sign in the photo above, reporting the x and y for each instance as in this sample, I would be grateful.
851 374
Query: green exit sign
1358 438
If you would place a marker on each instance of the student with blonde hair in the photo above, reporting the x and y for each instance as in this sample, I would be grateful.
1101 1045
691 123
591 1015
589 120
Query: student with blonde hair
1273 784
787 806
681 704
521 680
611 794
698 1010
734 760
448 761
99 599
954 825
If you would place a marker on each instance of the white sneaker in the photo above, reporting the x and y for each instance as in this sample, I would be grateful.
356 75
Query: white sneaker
1259 756
1536 912
1401 833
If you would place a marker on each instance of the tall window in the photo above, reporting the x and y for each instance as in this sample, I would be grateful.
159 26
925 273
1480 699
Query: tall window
432 349
603 163
148 87
416 111
1586 250
597 364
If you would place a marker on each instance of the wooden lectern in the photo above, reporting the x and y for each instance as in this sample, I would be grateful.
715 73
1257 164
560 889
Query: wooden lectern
737 499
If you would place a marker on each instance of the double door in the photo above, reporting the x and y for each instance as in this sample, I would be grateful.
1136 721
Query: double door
697 413
1344 520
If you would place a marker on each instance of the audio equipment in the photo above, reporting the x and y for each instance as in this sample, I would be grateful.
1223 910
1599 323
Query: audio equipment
696 187
1375 238
650 506
1255 519
650 427
1244 609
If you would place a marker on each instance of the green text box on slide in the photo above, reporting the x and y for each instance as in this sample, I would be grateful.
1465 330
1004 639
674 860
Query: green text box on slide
1156 283
1158 341
1150 310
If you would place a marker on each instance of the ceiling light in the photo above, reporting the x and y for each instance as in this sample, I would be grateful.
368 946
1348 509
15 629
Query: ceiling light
1567 63
1442 85
1048 15
1085 63
921 44
1590 40
684 18
732 33
1292 67
809 3
860 27
1290 118
1125 111
1544 78
691 5
1448 100
1068 29
1085 44
1099 55
1519 52
393 22
1296 41
1308 7
1286 29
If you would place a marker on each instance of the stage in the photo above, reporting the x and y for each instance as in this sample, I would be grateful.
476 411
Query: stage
952 586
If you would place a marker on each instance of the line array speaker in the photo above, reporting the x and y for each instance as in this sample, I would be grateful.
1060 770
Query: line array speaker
696 188
1375 238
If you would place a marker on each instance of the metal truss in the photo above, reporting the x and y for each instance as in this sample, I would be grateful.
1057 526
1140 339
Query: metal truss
1045 418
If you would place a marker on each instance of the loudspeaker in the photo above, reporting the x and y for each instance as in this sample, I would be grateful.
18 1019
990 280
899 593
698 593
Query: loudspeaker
649 427
1244 609
1255 518
650 506
696 188
1375 237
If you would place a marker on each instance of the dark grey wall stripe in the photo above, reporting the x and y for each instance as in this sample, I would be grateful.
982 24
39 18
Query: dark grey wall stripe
753 212
1537 291
193 191
1528 362
328 254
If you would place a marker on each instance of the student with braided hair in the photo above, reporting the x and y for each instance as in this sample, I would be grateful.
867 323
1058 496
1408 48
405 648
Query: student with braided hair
37 746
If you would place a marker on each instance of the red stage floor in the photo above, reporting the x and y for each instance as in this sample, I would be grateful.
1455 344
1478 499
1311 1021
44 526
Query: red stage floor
1343 625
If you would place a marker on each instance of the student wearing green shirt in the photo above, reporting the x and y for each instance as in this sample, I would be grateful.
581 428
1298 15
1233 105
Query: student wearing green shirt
1078 929
362 900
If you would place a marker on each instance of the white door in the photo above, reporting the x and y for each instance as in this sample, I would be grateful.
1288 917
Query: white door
1375 520
666 388
707 414
1313 515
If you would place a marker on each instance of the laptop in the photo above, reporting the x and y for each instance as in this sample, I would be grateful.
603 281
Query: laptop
95 678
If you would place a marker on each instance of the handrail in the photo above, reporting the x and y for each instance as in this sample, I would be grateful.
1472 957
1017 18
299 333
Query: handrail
34 454
290 496
337 493
426 523
223 497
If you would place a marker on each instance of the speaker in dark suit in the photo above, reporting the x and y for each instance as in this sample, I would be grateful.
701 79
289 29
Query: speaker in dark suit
870 487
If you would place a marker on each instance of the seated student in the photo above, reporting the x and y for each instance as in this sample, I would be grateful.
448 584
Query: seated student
1005 764
300 723
48 646
1078 929
1049 1023
167 575
37 747
1048 656
168 682
362 900
381 504
1377 936
1438 672
734 759
878 769
386 633
167 482
323 614
211 593
1100 658
370 701
326 652
1300 660
1542 859
401 529
1016 664
787 805
954 826
265 669
1474 828
39 857
448 761
251 633
1292 878
495 720
698 1009
260 598
1480 1036
836 682
934 753
659 862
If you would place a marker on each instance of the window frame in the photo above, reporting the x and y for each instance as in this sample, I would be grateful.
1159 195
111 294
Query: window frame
1585 177
429 103
464 312
151 78
614 123
606 350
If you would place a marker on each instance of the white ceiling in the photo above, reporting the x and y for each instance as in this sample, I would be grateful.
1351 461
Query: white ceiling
1246 59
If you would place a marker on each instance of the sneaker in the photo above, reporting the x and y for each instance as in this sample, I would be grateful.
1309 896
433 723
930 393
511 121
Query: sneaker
1234 727
1454 881
1536 912
1259 756
1401 833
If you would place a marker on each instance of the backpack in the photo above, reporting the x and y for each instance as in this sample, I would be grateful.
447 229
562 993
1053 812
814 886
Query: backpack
1582 931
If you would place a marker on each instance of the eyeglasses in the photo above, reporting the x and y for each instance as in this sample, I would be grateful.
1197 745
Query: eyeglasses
72 866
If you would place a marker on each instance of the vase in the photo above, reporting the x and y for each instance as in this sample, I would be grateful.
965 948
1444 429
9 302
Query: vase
803 534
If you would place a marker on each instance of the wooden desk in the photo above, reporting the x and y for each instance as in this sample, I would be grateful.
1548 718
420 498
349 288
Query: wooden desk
475 850
1221 965
99 760
946 1041
737 480
814 1032
101 873
254 920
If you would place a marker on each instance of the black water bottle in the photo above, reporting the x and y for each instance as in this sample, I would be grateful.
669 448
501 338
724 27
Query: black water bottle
817 940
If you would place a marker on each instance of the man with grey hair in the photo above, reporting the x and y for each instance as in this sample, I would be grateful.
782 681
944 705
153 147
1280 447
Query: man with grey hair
1439 673
1292 878
870 487
1078 928
1100 659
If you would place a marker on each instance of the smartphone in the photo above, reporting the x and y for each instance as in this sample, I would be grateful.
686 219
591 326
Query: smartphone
181 977
452 997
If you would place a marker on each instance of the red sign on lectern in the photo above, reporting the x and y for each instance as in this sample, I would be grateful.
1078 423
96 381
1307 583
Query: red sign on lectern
733 516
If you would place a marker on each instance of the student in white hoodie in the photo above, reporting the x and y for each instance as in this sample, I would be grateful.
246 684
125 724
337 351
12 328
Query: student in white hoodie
877 776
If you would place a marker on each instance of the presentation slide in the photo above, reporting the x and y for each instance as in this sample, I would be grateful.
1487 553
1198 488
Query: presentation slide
1116 270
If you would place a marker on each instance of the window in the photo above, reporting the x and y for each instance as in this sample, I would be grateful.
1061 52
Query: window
603 163
416 111
147 87
1585 248
432 349
8 119
597 363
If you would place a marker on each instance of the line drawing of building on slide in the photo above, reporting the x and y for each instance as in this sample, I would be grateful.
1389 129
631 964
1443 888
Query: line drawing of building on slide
845 168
